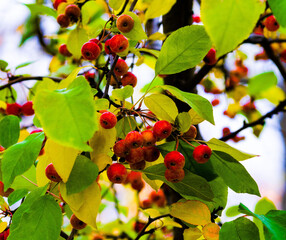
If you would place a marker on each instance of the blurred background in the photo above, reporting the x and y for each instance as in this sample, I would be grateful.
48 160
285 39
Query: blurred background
267 168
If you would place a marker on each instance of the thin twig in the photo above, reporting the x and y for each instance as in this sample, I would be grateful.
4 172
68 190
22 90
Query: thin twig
133 5
108 77
279 108
123 8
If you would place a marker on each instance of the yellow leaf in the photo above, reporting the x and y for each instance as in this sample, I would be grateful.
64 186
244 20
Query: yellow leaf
191 211
62 157
195 118
75 201
43 162
102 142
211 231
3 105
192 233
171 223
3 226
55 64
158 8
152 212
91 200
23 134
157 36
238 93
101 160
274 95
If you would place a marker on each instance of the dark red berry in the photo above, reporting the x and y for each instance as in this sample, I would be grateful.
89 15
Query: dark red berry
90 51
116 173
202 153
108 120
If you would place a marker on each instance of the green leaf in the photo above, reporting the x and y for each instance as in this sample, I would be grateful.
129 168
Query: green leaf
115 4
158 8
90 11
17 195
26 180
233 173
183 121
158 81
221 146
23 65
101 104
263 206
123 93
83 174
8 95
199 104
63 116
9 130
25 206
232 211
229 22
162 106
191 185
3 65
18 158
137 33
76 39
39 9
240 228
261 82
274 222
278 8
182 50
123 126
43 212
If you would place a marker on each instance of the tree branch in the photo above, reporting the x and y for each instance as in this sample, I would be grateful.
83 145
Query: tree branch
279 108
22 79
150 220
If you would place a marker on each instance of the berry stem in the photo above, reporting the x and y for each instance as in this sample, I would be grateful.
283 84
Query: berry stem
188 142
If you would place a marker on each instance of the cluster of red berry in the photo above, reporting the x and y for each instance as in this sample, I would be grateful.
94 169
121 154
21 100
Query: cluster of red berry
16 109
71 15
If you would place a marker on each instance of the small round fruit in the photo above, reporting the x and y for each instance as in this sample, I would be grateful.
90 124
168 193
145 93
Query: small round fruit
148 138
271 24
135 155
77 223
63 20
89 76
7 192
125 23
90 51
52 174
13 109
158 198
57 3
134 139
64 50
211 231
202 153
151 154
174 160
283 56
146 203
138 185
73 12
174 176
107 120
215 102
138 226
95 40
162 129
116 173
129 79
27 109
121 68
210 58
133 177
107 47
138 165
191 133
120 149
196 18
118 43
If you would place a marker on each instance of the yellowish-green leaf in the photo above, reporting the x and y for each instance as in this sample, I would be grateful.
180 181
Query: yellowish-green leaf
183 122
76 39
158 8
192 233
88 210
191 211
162 106
62 116
218 145
195 118
101 160
115 4
137 33
274 95
229 22
43 162
62 157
